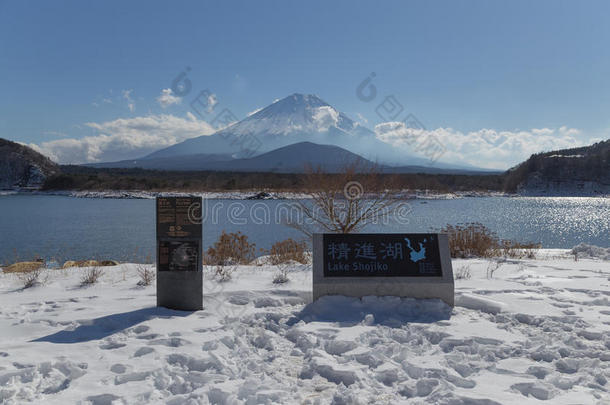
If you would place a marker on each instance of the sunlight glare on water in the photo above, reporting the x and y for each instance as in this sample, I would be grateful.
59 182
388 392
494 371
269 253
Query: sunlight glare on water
124 229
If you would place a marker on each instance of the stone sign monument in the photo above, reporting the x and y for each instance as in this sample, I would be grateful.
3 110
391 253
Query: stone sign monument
413 265
179 260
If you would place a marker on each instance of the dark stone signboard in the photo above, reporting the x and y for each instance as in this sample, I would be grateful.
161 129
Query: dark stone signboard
179 217
381 255
179 266
178 255
406 265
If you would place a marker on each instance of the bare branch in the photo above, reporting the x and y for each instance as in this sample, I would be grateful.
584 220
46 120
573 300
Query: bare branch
345 201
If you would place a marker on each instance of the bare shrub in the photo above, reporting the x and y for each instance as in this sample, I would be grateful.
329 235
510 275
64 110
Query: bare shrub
30 278
476 240
463 272
146 274
281 276
286 251
231 248
91 275
346 201
517 250
223 273
468 240
492 267
285 254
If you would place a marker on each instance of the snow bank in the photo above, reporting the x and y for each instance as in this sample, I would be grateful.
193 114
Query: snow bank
389 311
591 251
479 303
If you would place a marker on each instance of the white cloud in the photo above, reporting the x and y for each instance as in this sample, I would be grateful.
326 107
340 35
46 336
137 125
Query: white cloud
167 98
125 138
325 117
361 119
487 148
127 96
56 134
98 102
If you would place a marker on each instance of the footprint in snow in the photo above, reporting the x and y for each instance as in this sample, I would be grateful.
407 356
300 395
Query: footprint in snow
118 368
142 351
141 329
103 399
112 345
171 342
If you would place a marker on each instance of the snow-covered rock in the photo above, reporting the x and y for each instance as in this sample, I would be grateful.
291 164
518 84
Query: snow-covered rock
591 251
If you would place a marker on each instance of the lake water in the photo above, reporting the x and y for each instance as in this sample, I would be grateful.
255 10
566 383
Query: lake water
124 229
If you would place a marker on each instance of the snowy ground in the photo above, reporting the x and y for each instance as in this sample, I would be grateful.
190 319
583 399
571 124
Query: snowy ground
538 330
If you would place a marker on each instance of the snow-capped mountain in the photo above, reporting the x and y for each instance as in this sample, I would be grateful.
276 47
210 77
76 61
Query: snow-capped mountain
297 113
296 119
293 119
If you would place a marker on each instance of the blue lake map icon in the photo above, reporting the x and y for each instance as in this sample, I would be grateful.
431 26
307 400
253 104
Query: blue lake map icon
417 255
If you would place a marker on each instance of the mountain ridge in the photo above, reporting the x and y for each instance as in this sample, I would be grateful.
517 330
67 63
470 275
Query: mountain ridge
21 167
583 170
291 158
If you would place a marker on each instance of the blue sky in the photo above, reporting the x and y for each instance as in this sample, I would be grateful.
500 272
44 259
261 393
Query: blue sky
70 69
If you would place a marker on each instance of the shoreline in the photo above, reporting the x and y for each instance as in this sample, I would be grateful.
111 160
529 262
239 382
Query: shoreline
275 195
584 251
263 260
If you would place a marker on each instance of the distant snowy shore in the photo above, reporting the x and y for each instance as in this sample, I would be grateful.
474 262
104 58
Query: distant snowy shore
538 329
245 195
282 195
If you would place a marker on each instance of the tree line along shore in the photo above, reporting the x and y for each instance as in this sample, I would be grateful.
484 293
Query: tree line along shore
84 178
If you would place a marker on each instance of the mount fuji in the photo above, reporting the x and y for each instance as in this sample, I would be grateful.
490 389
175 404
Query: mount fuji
299 120
293 119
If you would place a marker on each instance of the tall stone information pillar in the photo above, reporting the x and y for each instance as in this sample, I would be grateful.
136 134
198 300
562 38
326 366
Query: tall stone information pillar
179 259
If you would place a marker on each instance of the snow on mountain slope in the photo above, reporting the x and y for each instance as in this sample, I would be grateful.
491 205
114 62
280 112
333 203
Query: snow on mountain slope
538 330
293 119
293 114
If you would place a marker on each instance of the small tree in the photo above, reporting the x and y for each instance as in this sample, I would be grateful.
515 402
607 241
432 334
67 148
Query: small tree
346 201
